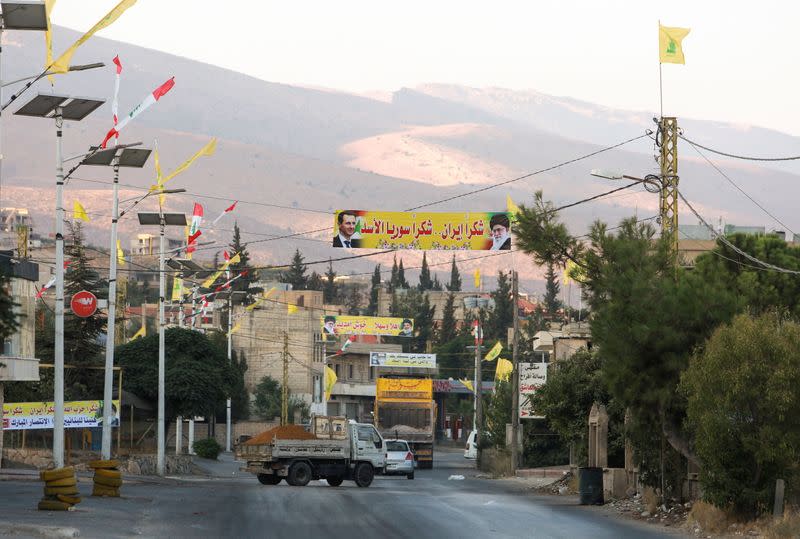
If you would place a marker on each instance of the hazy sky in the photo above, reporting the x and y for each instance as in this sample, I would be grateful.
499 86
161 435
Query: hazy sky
742 56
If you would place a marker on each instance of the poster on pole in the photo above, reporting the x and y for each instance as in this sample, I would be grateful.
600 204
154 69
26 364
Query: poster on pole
398 359
450 231
365 325
40 415
532 376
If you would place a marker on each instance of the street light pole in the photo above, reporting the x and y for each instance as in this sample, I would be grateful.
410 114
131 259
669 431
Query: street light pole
477 412
515 377
58 380
105 449
161 352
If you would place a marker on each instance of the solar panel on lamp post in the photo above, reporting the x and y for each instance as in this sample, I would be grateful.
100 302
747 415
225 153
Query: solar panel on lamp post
162 220
116 157
59 108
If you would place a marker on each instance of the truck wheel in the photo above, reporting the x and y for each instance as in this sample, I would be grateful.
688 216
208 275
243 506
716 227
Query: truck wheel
268 479
364 474
334 481
299 474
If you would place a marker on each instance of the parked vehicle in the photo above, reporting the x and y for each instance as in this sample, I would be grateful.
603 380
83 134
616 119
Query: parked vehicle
335 450
404 408
471 451
399 459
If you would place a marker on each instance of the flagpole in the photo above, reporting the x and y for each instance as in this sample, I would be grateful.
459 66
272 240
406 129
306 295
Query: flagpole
660 80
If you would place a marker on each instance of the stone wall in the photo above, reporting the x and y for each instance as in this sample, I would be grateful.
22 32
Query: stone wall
42 459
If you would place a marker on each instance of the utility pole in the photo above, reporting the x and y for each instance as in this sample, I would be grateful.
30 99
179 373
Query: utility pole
285 386
515 376
668 159
477 412
230 356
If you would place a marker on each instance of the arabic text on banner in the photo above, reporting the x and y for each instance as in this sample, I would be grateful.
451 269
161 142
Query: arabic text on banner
398 359
532 376
366 325
39 415
469 231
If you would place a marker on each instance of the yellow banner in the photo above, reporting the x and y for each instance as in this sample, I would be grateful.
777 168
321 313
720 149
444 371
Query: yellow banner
670 44
404 388
474 231
39 415
366 325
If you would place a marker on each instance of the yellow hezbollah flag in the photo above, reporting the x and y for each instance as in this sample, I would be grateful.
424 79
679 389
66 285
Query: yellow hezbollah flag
330 380
61 65
206 150
291 308
177 289
504 369
494 352
467 384
79 213
120 255
236 327
511 208
670 49
477 277
48 37
141 333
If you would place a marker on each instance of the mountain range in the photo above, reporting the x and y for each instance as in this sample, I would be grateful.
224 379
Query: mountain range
291 155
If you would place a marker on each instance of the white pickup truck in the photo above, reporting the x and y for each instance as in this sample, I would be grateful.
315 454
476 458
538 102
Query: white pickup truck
340 449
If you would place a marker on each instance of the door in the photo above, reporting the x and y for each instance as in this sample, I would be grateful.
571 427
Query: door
371 446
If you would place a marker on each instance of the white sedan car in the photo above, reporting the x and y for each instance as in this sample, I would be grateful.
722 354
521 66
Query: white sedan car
399 458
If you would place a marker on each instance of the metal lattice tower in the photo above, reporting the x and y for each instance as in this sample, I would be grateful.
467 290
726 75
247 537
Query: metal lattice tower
668 159
285 385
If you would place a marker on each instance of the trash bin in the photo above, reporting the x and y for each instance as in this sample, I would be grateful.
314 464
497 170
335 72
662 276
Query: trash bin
590 486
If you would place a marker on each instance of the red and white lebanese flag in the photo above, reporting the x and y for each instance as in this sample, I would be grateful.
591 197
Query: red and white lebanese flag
227 210
154 96
49 283
194 228
350 340
115 102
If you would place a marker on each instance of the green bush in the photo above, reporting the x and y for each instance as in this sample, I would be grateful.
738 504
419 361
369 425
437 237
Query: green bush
208 448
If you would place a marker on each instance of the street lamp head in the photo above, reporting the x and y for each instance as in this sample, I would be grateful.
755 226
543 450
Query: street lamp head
607 174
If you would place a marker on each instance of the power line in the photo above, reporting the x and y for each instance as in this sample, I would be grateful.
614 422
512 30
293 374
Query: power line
733 247
735 156
535 173
754 201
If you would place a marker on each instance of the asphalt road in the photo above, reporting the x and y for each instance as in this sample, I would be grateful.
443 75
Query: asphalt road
230 504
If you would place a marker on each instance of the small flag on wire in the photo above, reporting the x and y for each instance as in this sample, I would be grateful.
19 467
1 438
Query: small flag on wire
477 277
78 212
141 333
227 210
48 38
154 96
115 101
467 384
291 308
346 344
512 209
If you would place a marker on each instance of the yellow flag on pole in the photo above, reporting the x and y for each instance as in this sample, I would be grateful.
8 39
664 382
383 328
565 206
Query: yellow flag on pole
61 65
177 289
291 308
504 369
78 212
511 208
670 47
48 37
120 254
467 384
492 354
141 333
477 277
207 150
236 327
330 381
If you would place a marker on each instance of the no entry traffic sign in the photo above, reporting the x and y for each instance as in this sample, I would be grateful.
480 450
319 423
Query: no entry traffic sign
83 304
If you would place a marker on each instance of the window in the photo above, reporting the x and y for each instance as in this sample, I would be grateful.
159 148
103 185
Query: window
317 388
350 372
372 373
336 369
396 445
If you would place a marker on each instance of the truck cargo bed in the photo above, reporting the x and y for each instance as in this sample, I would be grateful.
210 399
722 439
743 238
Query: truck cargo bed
282 449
